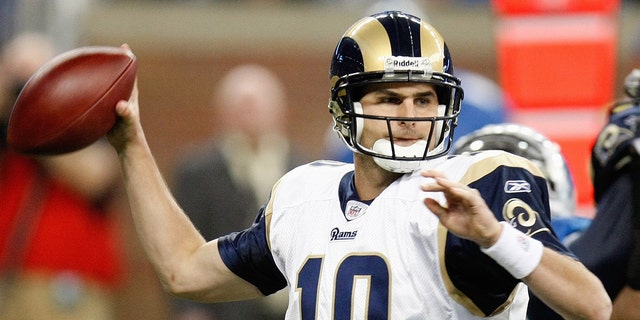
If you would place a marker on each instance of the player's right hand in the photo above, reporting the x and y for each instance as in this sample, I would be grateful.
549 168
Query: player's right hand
465 212
128 127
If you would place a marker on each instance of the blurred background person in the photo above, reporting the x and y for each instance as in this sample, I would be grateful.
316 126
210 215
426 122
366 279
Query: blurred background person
610 247
222 183
59 249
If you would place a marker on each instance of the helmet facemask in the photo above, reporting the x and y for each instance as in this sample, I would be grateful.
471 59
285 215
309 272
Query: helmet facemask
349 119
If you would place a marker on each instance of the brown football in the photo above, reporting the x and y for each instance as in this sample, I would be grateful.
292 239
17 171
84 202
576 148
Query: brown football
69 103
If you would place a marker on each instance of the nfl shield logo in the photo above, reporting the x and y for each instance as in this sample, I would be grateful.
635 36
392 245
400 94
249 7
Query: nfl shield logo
355 209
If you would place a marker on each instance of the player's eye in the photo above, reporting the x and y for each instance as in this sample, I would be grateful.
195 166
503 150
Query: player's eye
424 101
390 100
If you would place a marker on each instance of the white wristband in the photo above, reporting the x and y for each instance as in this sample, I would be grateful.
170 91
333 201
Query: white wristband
515 251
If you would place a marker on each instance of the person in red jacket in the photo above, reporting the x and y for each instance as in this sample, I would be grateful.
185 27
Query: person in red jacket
59 252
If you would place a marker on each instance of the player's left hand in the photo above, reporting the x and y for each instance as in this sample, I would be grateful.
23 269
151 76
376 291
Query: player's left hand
465 213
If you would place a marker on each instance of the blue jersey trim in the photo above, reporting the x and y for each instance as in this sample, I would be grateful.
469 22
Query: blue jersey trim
475 274
246 253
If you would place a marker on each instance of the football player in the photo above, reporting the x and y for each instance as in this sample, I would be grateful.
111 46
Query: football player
402 233
610 247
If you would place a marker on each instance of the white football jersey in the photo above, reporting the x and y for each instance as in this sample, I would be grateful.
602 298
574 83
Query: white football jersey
390 258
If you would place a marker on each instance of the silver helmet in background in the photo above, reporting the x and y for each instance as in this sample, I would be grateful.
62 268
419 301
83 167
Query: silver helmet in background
531 144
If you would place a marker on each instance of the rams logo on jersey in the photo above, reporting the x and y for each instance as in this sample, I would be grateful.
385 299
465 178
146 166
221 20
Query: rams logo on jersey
336 234
610 138
522 217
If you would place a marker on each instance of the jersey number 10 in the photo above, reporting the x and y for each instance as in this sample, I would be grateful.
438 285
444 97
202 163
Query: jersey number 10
370 268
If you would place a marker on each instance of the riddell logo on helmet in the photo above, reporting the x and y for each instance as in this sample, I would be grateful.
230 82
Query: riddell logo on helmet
407 63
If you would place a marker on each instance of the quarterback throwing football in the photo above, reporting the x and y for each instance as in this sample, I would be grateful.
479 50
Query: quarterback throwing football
402 233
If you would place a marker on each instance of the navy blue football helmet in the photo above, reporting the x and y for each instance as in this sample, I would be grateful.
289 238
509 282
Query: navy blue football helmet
391 47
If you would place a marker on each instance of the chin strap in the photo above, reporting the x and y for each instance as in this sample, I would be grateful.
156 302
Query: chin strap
398 166
383 146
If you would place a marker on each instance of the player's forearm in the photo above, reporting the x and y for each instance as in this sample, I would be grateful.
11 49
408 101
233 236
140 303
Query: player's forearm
557 279
167 235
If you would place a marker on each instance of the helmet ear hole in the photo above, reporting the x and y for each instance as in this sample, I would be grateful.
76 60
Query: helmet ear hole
340 122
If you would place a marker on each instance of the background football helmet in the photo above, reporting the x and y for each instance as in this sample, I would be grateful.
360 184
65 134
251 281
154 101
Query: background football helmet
531 144
546 155
386 47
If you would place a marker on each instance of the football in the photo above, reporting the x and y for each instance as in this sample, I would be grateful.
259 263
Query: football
69 103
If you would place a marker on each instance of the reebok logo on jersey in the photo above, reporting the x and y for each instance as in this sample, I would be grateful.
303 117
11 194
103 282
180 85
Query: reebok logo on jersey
355 209
517 186
336 234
